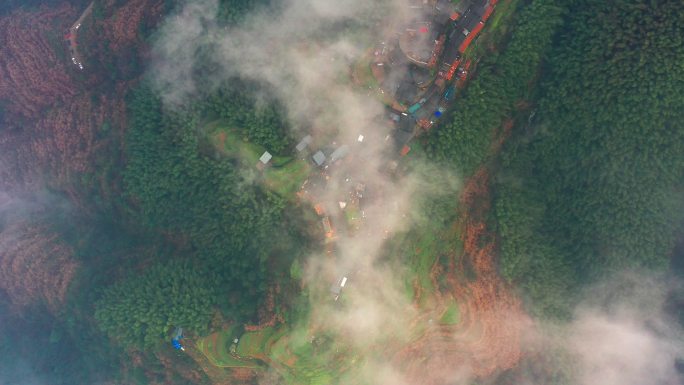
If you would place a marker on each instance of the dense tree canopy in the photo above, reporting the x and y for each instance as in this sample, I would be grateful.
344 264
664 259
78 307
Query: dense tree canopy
262 124
595 185
465 137
226 219
141 310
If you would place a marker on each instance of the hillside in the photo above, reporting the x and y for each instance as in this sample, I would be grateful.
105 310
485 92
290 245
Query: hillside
240 192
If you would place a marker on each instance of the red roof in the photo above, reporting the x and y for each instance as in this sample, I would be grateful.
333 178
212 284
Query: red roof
405 150
423 29
488 12
455 16
452 69
470 37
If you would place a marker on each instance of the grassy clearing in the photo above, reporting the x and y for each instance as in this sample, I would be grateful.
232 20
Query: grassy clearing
287 179
452 314
425 249
363 73
229 142
304 358
258 344
216 347
283 176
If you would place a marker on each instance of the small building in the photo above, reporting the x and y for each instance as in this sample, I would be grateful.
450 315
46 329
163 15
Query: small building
336 290
327 227
339 153
265 158
304 143
319 158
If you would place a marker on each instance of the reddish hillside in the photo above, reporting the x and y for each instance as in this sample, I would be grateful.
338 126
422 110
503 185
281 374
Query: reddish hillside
32 75
489 337
59 128
35 265
54 112
121 30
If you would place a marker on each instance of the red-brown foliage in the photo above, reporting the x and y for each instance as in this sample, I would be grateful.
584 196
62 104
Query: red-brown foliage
53 118
267 312
32 75
51 134
492 321
121 29
34 265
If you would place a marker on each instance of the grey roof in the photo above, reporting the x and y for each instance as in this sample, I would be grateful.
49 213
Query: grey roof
265 157
319 158
340 153
304 142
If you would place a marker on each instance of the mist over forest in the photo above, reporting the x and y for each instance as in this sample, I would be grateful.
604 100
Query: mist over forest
316 192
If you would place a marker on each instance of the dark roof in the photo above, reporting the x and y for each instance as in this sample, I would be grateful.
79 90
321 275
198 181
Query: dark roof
406 123
469 21
406 92
401 138
420 76
450 53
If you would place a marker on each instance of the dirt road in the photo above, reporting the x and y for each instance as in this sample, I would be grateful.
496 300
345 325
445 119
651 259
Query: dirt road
72 34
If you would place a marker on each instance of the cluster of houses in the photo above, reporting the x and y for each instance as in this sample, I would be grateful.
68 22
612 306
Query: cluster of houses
417 68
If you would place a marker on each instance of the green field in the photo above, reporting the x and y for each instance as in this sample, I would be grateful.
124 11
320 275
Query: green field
307 359
287 179
452 314
284 175
258 344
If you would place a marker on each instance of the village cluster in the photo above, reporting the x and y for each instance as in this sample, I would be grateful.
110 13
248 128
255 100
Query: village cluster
423 63
417 69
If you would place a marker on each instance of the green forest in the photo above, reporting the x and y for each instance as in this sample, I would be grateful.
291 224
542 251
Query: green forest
577 115
592 183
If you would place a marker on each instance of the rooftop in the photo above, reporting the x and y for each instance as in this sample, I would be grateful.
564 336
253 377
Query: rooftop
304 143
265 157
319 158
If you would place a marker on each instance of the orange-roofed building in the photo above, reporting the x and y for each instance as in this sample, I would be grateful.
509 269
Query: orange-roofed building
488 12
471 36
405 150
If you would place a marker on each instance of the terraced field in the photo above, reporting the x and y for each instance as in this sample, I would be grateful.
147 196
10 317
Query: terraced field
219 348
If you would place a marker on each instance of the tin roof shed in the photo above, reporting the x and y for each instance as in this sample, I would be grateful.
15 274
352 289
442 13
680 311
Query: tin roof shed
319 158
266 157
304 143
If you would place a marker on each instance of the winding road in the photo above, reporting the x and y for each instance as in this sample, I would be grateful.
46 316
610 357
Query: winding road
72 35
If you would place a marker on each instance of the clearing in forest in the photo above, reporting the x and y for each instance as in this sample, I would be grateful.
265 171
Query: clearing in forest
219 348
284 175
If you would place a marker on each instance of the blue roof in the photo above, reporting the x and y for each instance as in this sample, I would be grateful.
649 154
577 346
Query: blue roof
176 344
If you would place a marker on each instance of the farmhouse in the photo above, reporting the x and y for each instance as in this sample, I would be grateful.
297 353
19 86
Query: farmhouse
336 289
265 157
304 143
319 158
